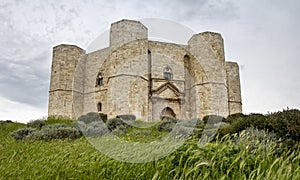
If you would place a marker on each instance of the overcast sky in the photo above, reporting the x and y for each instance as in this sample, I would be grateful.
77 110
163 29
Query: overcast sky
261 35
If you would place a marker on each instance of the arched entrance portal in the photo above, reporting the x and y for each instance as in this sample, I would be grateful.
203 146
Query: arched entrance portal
167 112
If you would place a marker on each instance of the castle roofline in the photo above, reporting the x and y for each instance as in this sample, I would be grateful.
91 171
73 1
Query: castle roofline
67 45
130 21
207 32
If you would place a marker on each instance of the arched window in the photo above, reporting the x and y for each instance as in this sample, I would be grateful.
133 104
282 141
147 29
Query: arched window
168 73
99 81
99 106
186 57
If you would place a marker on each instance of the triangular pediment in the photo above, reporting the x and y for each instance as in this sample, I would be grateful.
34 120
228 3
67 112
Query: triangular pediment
167 90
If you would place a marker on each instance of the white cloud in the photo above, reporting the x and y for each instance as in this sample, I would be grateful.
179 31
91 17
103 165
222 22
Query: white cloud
19 112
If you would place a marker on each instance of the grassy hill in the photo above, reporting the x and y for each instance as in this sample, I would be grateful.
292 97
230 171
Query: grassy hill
239 152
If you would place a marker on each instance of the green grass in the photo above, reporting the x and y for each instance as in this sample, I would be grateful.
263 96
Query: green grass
143 132
231 157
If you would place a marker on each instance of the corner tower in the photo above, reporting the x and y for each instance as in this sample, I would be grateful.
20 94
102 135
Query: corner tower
208 48
64 61
125 31
234 87
126 71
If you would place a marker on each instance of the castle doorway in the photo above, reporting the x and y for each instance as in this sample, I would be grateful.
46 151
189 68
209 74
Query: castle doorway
167 112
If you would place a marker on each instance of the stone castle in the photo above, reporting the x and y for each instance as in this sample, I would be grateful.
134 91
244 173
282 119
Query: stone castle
146 78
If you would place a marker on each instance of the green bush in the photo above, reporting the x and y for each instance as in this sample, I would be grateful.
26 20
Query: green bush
7 121
103 117
127 118
241 123
56 126
213 119
38 124
97 128
194 123
182 131
233 117
47 132
115 123
22 133
90 117
52 132
256 120
119 131
286 124
167 124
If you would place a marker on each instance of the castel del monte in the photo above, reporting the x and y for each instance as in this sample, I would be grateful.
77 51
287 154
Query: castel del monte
148 79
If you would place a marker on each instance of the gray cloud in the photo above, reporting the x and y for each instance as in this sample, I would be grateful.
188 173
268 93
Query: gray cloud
261 35
24 66
25 81
23 84
185 10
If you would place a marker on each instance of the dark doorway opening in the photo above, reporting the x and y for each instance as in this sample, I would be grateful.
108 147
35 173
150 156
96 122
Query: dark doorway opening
167 112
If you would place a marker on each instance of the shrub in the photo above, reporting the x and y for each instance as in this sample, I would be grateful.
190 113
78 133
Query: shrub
242 123
190 123
286 124
90 117
213 119
115 123
5 121
56 126
233 117
38 124
182 131
127 118
93 129
103 117
75 124
119 131
22 133
171 119
257 120
167 124
55 132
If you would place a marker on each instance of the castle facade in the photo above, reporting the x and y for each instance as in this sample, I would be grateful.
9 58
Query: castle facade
149 79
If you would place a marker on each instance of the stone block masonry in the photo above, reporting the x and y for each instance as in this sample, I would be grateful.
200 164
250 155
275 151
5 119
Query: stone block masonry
149 79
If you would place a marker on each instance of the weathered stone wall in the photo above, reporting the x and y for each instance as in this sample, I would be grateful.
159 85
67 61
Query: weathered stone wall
138 98
234 87
78 87
159 105
94 94
207 47
65 58
202 83
122 68
167 55
173 55
125 31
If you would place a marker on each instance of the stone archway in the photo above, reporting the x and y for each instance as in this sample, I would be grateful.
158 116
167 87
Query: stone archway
167 112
